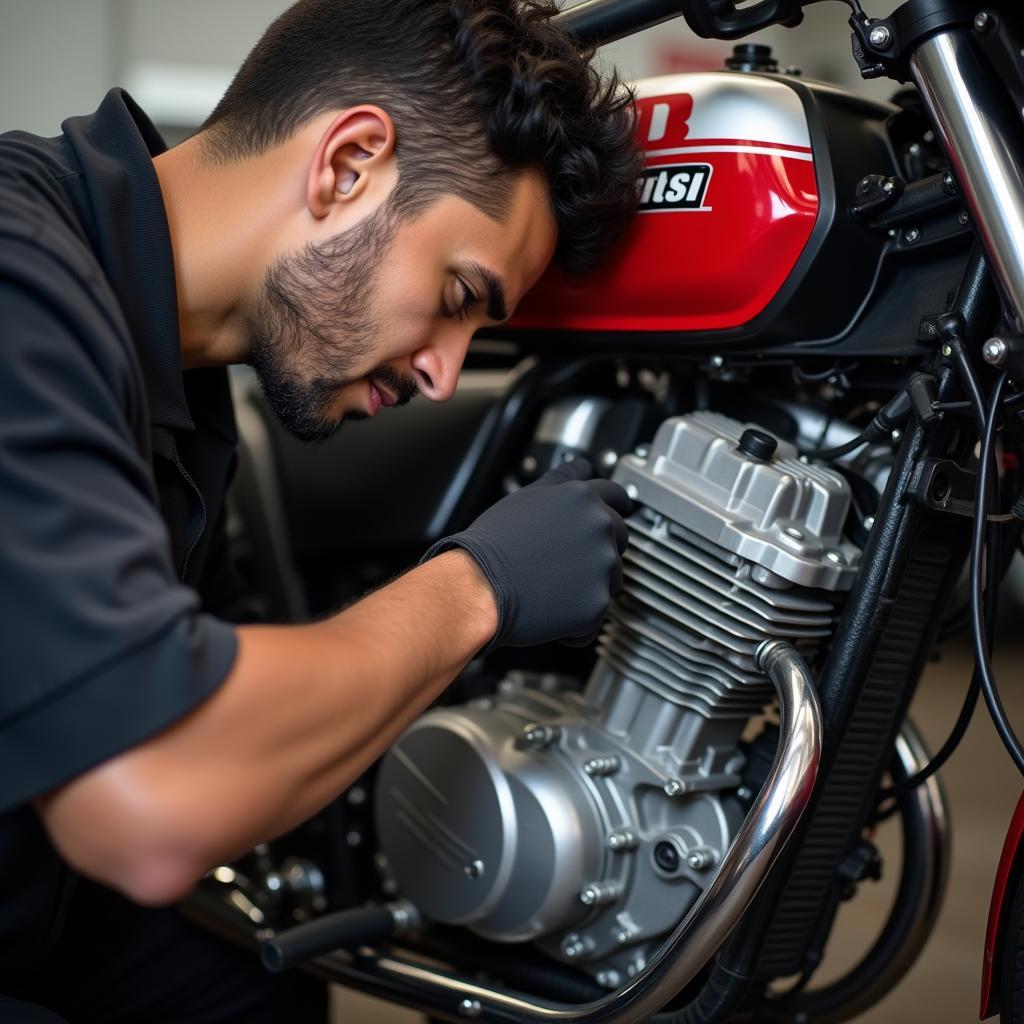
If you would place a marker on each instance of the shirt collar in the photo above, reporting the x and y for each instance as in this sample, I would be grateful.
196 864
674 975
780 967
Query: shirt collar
115 149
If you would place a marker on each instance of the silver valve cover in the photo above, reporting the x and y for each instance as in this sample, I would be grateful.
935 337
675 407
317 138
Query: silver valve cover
781 513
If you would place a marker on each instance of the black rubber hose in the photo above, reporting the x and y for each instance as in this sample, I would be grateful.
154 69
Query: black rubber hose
345 928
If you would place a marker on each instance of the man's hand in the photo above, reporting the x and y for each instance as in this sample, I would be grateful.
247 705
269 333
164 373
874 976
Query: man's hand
552 553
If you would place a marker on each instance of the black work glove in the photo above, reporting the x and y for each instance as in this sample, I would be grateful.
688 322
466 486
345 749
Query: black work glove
552 553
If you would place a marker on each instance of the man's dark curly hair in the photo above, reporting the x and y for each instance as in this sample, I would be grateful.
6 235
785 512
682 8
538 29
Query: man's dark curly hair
476 88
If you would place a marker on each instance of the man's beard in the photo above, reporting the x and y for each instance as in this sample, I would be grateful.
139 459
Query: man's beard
313 327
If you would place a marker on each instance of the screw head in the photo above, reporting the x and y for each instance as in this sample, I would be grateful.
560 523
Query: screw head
896 436
718 362
963 217
836 557
982 20
947 350
470 1008
869 523
474 869
880 37
674 787
792 531
608 979
624 839
632 492
911 235
608 459
700 859
994 351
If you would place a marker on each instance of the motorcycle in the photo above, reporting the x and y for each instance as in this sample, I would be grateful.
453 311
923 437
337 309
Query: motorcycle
800 364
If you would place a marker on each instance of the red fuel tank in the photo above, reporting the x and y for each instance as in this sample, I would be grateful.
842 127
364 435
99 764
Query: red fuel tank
728 201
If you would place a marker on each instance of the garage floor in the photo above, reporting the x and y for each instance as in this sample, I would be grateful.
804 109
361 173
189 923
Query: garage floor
982 787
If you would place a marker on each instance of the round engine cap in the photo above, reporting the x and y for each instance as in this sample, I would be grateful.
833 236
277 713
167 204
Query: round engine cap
758 444
446 819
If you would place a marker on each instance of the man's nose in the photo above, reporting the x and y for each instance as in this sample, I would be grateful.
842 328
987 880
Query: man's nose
437 366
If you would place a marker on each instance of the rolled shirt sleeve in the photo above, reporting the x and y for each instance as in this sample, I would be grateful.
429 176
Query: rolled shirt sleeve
103 646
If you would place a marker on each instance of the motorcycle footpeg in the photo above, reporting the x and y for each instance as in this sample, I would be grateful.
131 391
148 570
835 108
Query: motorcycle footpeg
344 929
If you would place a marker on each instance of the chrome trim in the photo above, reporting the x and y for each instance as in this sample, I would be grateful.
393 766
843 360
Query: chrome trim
981 135
758 843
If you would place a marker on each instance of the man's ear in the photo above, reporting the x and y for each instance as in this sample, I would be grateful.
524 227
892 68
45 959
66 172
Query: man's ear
358 143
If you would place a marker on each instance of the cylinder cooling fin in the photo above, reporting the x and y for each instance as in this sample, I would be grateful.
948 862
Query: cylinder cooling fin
588 822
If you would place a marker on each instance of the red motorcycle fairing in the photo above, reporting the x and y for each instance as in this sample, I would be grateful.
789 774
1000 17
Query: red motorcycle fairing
1007 875
728 201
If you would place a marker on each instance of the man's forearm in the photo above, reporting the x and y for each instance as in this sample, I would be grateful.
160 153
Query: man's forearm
303 712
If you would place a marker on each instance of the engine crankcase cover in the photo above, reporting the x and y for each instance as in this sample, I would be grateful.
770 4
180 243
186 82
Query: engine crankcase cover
482 832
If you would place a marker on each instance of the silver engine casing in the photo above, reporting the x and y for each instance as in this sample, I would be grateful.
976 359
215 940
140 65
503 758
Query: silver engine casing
588 823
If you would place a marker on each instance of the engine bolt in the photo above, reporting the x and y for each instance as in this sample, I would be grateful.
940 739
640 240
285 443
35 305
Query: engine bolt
599 894
911 235
947 350
641 451
607 765
632 492
869 523
608 459
981 21
880 37
836 557
573 946
637 965
624 936
470 1008
539 737
896 436
963 217
792 531
666 856
622 840
994 351
700 858
745 793
474 869
675 787
608 979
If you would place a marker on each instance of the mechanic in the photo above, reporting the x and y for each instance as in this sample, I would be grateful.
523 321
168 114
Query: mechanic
380 181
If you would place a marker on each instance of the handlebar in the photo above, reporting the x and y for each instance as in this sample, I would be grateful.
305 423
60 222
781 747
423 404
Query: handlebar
596 22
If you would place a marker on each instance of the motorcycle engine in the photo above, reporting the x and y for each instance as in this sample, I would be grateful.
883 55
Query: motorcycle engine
589 822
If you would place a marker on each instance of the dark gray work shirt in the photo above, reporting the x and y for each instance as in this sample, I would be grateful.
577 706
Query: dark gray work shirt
113 469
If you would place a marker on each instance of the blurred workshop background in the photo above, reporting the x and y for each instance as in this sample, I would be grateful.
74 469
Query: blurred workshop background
58 58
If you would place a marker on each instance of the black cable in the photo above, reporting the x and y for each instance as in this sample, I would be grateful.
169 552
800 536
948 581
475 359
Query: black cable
987 426
844 449
1009 400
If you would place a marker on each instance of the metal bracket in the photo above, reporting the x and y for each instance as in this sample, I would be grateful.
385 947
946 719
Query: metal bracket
943 486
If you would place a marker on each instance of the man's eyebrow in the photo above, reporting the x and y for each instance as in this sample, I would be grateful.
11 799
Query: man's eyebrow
497 308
